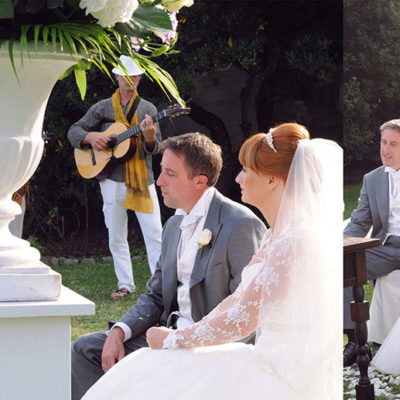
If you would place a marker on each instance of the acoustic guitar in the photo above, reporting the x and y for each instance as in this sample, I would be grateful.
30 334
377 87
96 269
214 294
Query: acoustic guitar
91 163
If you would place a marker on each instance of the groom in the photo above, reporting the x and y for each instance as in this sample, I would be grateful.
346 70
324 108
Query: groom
205 246
379 208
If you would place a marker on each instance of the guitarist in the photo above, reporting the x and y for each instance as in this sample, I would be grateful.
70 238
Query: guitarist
125 184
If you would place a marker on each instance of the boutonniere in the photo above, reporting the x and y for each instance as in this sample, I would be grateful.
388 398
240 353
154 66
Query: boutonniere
204 240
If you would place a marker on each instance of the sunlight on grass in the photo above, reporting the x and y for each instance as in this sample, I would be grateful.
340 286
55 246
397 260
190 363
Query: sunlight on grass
96 282
350 195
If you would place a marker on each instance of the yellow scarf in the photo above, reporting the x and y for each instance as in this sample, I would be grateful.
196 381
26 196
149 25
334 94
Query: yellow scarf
138 195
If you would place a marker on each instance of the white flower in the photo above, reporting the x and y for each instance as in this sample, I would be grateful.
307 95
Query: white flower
109 12
167 36
174 21
205 238
136 43
175 5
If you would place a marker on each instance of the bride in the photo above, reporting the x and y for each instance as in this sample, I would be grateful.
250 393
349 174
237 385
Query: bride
290 293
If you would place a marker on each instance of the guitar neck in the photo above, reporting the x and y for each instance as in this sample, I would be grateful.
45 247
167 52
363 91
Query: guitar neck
135 129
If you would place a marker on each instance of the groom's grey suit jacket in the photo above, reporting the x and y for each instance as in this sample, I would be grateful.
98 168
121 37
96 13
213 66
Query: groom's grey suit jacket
373 206
372 210
236 233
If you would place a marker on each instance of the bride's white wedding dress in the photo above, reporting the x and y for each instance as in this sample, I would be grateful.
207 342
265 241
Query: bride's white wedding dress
232 370
387 359
289 295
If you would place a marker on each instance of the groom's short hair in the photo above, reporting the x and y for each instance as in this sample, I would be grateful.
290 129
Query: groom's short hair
202 155
392 124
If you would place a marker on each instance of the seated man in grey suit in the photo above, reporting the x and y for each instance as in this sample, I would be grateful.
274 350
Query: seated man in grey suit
379 207
190 279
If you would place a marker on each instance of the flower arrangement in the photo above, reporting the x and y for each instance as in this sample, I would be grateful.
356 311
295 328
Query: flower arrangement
97 30
205 239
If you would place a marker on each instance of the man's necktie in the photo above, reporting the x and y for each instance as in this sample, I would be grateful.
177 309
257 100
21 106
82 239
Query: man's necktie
395 180
188 226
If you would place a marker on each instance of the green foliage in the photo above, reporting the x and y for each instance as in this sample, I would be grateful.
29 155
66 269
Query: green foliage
254 39
80 75
359 143
34 242
351 194
208 44
6 9
241 40
144 20
371 73
65 27
96 282
311 56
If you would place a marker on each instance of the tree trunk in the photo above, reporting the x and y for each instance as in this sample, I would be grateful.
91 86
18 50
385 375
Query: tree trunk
219 135
249 99
250 96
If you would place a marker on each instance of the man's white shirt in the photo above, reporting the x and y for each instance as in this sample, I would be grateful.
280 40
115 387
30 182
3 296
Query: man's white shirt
394 202
186 256
192 225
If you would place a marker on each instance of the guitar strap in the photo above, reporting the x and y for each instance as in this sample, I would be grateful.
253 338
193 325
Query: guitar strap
132 111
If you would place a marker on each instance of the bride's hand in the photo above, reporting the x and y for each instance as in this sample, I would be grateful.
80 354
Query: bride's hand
155 336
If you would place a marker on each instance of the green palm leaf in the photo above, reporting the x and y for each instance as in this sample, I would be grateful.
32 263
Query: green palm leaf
145 19
101 46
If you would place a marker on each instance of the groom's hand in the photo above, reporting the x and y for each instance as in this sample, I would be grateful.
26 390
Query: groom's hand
113 349
155 336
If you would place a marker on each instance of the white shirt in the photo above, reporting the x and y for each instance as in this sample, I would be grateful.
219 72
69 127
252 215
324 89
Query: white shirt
187 251
394 202
185 268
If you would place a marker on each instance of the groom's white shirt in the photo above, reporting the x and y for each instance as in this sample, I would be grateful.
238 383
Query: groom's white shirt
185 262
394 202
186 254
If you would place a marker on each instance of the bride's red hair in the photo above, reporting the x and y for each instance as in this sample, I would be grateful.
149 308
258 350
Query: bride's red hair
257 155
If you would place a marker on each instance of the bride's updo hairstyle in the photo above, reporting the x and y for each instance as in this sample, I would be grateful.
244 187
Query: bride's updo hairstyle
259 155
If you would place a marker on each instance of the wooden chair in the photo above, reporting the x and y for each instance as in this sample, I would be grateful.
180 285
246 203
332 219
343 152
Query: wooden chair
385 303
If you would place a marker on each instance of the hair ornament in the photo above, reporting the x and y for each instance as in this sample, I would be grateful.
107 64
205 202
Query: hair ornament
302 141
270 140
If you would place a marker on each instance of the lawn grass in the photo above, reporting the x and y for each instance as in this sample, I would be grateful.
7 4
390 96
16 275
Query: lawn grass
96 282
350 197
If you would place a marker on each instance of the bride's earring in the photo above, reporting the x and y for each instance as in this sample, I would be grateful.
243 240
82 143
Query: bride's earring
271 182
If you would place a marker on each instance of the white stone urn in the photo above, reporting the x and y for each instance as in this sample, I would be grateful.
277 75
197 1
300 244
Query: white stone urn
23 100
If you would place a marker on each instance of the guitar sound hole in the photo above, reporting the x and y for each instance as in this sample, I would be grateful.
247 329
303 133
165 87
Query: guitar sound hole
112 142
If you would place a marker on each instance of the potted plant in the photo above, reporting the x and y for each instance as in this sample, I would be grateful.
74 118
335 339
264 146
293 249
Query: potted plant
39 41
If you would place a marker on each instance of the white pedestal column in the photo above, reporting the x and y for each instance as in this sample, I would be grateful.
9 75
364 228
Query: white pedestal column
35 347
23 100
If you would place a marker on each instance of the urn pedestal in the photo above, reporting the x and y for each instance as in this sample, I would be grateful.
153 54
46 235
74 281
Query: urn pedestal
35 346
35 310
23 100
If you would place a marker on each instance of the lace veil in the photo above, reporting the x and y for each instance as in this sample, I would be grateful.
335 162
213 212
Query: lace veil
299 325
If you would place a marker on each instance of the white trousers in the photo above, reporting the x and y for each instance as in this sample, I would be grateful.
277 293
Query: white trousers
116 220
